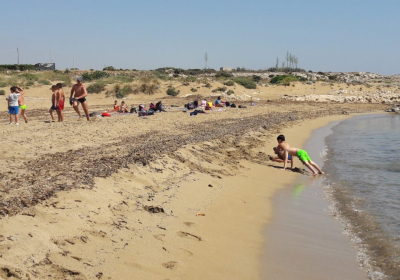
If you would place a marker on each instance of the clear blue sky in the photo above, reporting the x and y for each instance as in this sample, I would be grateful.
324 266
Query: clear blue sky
341 35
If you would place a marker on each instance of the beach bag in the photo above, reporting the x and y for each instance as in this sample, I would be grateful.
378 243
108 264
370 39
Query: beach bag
241 106
193 113
150 112
190 106
152 106
210 104
208 107
227 104
133 110
162 108
142 113
196 103
142 107
233 105
105 115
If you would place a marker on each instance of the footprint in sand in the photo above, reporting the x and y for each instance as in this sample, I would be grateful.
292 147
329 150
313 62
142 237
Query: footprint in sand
188 235
159 236
170 264
189 224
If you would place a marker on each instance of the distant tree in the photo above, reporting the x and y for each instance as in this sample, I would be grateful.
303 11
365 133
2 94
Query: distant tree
277 63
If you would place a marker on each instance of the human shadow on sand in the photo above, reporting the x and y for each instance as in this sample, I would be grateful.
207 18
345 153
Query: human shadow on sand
296 169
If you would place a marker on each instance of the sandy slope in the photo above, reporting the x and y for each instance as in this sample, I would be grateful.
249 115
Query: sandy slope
118 197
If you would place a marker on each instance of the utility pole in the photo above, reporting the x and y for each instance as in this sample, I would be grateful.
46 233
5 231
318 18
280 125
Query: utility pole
18 55
206 59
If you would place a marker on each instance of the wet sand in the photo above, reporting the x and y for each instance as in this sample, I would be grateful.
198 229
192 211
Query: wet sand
304 241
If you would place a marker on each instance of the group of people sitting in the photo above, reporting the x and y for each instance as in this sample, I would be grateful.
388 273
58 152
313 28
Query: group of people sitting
123 108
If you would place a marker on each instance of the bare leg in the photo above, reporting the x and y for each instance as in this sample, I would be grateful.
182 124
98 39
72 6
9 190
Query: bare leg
10 118
58 115
310 167
76 108
317 167
85 108
16 118
61 116
51 114
24 116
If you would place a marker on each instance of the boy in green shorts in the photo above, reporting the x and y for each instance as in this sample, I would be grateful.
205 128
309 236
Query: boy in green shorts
21 102
303 156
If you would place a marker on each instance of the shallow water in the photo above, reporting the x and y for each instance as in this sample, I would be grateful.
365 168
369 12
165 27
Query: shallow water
363 178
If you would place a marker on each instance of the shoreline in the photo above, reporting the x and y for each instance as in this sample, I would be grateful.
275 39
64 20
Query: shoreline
143 219
304 240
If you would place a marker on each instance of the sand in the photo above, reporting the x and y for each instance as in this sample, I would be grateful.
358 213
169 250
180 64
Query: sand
120 197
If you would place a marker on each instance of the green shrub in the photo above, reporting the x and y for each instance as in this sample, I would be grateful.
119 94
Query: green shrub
2 92
249 84
190 79
256 78
96 88
229 83
285 81
279 79
44 82
193 89
109 68
66 71
172 91
122 92
321 73
147 85
3 84
230 92
29 77
29 83
87 77
223 74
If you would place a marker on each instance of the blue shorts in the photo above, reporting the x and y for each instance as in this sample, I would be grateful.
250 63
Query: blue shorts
13 110
53 107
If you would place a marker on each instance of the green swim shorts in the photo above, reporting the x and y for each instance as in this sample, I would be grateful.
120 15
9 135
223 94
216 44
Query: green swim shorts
303 156
23 107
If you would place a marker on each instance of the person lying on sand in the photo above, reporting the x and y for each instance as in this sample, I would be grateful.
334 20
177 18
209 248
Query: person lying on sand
303 156
279 151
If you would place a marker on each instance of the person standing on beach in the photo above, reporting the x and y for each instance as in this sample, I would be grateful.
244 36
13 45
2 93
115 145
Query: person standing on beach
60 102
279 150
12 101
21 102
304 158
53 102
79 94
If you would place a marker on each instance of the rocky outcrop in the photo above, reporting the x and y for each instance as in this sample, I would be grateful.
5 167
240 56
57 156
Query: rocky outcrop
386 97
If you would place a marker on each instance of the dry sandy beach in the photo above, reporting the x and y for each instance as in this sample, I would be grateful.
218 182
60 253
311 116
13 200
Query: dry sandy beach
160 197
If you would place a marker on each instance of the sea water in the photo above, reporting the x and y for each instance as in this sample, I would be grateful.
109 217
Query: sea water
362 167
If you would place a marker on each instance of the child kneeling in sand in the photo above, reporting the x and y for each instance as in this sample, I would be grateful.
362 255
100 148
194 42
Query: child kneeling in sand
303 156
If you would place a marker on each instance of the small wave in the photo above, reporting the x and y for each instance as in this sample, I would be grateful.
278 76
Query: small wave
324 153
